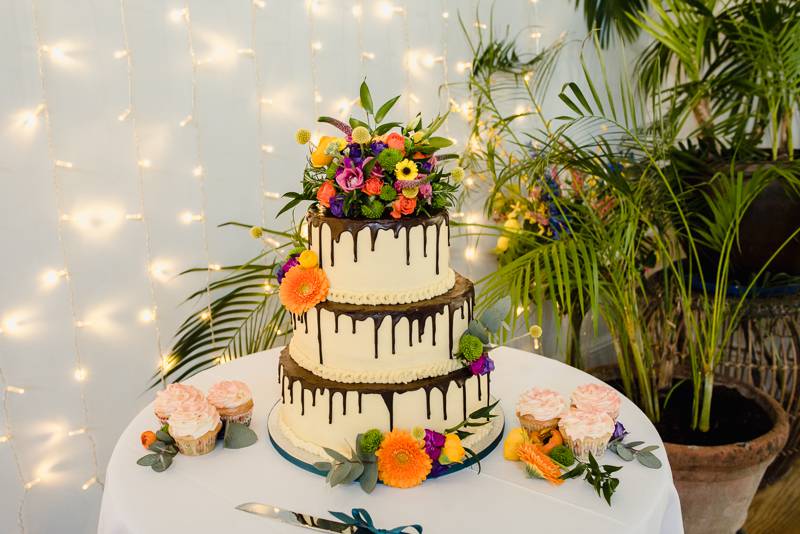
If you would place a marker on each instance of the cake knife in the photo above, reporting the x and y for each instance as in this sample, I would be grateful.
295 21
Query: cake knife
299 520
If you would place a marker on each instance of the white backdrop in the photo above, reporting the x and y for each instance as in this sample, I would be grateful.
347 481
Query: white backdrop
118 160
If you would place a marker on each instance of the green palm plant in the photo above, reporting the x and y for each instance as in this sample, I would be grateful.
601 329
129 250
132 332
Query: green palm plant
608 17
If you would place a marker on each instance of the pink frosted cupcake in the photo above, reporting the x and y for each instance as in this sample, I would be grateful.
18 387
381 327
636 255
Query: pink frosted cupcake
539 409
586 431
597 397
167 400
194 426
233 401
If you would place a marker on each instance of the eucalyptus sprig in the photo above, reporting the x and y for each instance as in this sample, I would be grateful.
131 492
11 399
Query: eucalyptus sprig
361 465
598 476
163 451
628 451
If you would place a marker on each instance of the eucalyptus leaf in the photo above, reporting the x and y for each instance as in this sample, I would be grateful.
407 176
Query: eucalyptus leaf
356 470
340 473
648 459
162 463
493 317
323 466
239 436
478 330
336 455
165 437
147 460
649 448
623 452
369 478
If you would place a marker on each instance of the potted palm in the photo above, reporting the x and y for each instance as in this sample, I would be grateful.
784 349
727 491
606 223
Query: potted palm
636 149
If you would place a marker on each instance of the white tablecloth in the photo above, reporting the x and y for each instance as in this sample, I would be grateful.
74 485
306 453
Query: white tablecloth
198 494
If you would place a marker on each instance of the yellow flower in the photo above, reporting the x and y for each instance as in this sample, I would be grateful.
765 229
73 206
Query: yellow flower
502 244
512 225
302 136
417 137
406 170
319 157
256 232
457 173
360 135
535 331
515 438
411 192
453 451
308 259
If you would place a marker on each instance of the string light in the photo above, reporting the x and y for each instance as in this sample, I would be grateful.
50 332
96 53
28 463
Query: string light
272 195
445 14
147 315
16 390
134 217
197 171
52 277
463 66
178 15
187 217
76 432
262 163
186 120
80 374
89 483
63 164
12 324
56 53
32 483
357 10
316 46
160 269
368 55
29 119
261 4
385 10
214 267
124 115
4 438
269 149
470 253
119 54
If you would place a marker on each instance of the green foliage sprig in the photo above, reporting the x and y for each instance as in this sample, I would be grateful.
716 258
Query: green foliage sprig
628 451
361 465
599 477
163 452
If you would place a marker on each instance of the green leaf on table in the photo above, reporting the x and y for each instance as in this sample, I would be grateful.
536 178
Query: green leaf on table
648 459
163 448
356 470
575 472
323 466
369 478
147 460
366 97
339 473
238 436
623 452
161 435
162 463
336 455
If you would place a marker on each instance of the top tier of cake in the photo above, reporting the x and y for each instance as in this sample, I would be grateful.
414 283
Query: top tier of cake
383 261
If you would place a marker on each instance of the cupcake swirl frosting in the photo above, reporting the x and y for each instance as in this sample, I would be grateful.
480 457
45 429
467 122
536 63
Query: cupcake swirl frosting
580 424
229 394
168 400
596 397
541 404
193 418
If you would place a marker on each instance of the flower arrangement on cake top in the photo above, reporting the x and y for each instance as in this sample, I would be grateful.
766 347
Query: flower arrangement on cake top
375 169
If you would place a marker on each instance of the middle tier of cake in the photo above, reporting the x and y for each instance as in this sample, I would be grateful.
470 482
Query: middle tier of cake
316 413
387 344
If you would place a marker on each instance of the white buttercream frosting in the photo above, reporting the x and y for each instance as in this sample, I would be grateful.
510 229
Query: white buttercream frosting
379 376
229 394
541 404
167 400
597 397
581 424
406 296
193 418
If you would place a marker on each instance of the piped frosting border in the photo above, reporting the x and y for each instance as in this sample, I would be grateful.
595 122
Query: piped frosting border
442 285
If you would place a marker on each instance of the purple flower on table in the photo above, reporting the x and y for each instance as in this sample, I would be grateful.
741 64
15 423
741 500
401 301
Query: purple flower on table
434 441
337 206
426 190
355 153
291 262
619 431
482 365
377 147
349 176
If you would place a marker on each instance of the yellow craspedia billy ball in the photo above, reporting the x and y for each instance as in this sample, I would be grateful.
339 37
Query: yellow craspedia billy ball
457 173
256 232
308 259
361 135
535 331
302 136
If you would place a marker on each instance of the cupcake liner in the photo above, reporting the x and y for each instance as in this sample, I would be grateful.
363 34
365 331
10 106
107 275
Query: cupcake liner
198 446
582 447
533 425
241 414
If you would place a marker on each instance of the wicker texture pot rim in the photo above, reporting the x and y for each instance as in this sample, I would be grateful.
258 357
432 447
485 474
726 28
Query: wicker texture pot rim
737 455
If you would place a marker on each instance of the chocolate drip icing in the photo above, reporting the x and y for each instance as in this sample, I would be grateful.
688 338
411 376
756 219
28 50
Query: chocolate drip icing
305 321
464 398
359 401
319 335
331 393
376 326
479 387
388 400
428 403
338 226
335 324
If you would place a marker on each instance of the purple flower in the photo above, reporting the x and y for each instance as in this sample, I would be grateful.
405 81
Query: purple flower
291 262
482 365
434 441
426 190
425 166
355 153
337 206
377 147
350 176
619 431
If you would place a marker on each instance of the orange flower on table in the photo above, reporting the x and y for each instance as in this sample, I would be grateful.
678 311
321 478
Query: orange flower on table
402 462
318 157
148 437
325 193
396 141
539 463
302 289
403 206
373 186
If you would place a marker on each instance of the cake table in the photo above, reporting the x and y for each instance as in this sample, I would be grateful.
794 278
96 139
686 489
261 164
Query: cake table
198 494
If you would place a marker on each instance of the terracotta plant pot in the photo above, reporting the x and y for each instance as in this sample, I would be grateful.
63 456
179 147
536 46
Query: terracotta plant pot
716 484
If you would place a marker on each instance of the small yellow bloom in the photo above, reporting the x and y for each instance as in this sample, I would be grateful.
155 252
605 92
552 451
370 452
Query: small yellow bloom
417 137
406 170
256 232
457 173
512 225
319 158
360 135
453 451
502 244
308 259
535 331
418 432
341 142
302 136
411 192
515 438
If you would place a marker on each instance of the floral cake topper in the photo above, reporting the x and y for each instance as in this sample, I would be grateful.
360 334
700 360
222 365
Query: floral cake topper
374 169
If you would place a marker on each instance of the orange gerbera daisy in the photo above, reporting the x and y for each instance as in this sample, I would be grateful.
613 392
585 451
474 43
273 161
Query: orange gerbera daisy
539 463
302 289
402 462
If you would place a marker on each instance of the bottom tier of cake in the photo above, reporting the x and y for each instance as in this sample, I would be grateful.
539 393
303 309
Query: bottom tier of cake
316 413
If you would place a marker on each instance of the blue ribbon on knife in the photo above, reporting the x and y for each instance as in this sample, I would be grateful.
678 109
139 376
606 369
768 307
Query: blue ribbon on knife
363 522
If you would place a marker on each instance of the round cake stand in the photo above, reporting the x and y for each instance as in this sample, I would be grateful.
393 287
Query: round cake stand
305 460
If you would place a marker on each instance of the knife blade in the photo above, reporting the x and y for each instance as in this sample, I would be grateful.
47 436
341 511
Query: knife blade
294 518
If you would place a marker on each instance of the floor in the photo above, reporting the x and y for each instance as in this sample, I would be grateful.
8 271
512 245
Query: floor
775 509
